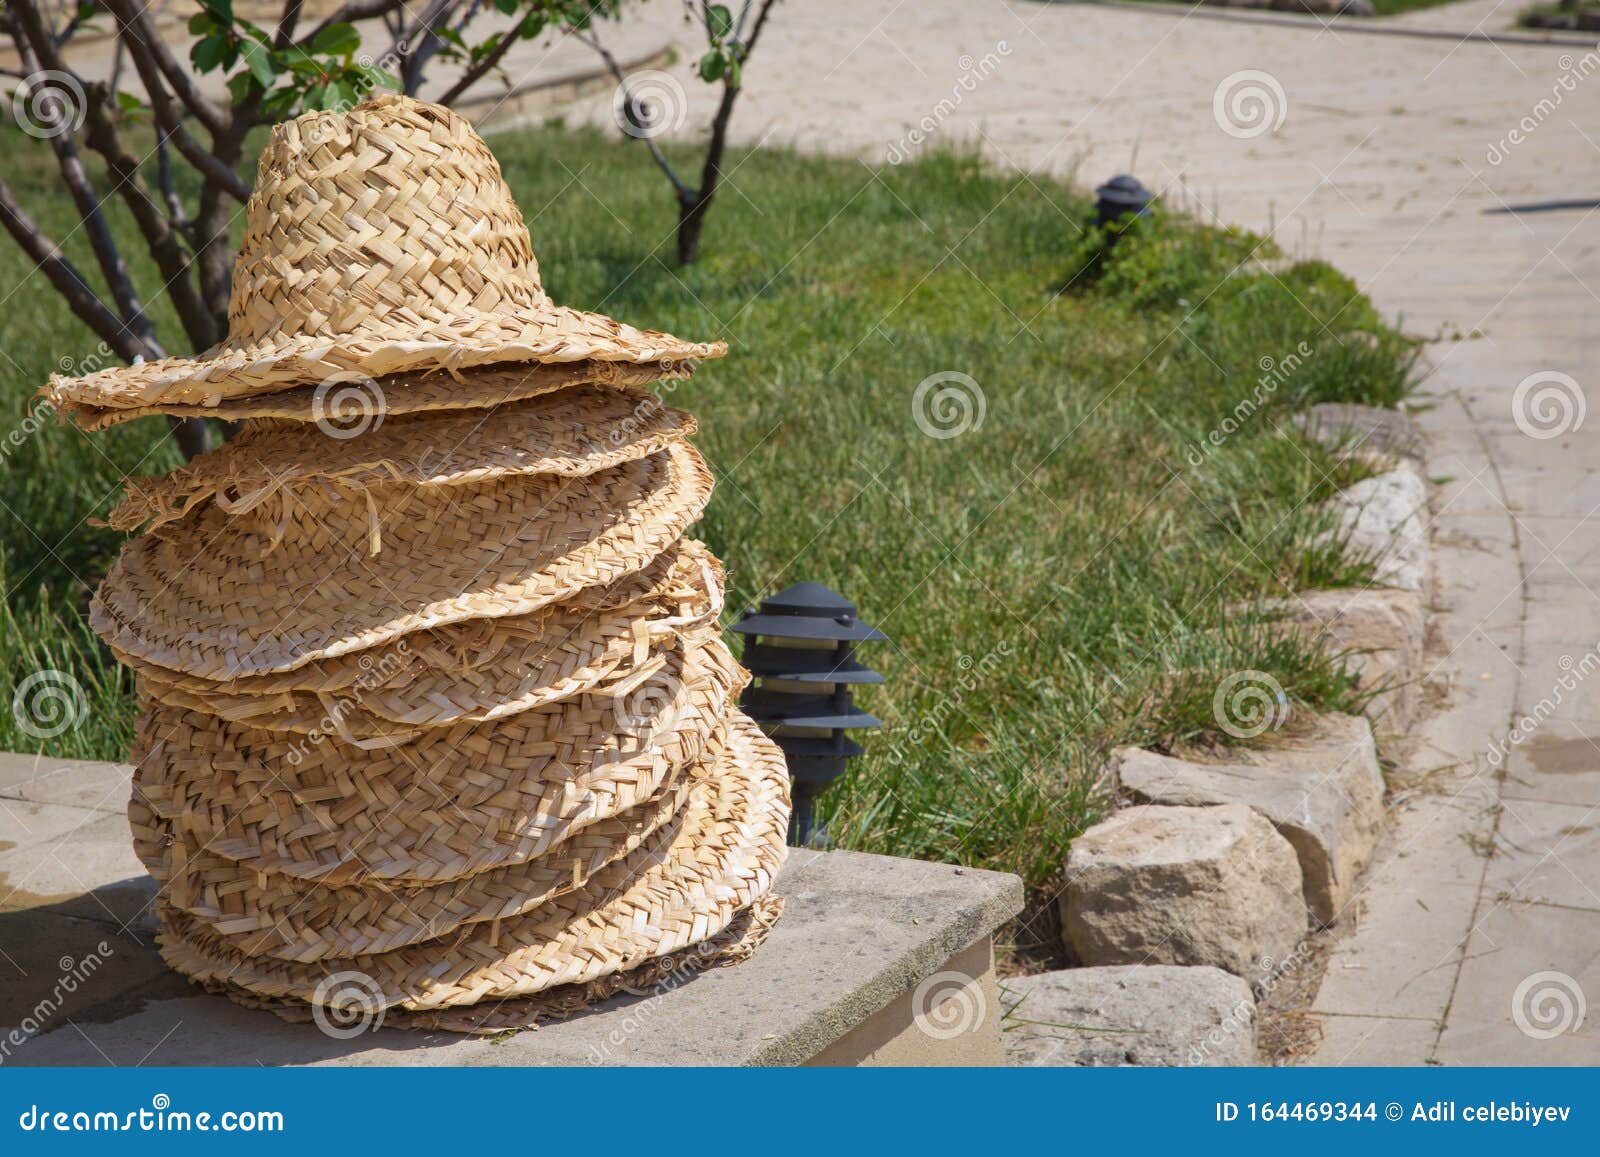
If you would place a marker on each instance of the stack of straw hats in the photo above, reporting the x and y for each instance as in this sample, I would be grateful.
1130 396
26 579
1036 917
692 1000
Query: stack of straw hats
437 715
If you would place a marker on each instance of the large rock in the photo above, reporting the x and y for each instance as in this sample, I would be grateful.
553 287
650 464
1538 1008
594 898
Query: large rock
1323 791
1184 885
1380 634
1385 518
1150 1014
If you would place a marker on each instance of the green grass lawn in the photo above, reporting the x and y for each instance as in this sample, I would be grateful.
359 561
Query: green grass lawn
1071 574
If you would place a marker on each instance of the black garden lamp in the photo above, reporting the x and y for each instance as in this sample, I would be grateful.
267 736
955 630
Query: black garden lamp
800 647
1121 196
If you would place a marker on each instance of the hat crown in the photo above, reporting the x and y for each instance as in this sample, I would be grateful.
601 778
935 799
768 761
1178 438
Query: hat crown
391 215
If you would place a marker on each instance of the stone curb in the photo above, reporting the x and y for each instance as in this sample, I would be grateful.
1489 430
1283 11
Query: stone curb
1139 885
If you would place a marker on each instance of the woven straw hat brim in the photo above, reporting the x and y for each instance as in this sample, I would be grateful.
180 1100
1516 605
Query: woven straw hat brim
545 335
575 432
733 945
455 802
224 596
350 402
724 858
270 914
671 579
507 667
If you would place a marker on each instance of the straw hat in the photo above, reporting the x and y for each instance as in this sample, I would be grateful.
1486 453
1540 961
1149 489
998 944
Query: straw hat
353 400
461 646
263 914
380 240
723 859
476 671
570 434
224 595
455 802
498 668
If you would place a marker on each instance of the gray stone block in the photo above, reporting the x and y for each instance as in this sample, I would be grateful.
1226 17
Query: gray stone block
1323 791
1380 633
1150 1014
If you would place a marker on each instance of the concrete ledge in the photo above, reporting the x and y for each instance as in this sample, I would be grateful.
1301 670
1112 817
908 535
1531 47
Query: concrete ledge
876 960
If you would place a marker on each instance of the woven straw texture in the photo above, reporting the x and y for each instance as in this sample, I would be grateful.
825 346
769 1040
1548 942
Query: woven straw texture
378 241
460 647
574 433
350 1010
475 671
226 595
356 402
454 802
433 692
724 856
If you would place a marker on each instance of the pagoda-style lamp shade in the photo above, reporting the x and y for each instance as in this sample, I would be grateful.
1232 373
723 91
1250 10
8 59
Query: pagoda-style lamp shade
800 647
1121 196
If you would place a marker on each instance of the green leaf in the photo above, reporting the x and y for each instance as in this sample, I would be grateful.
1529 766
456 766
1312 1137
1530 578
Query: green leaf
450 36
315 95
221 9
127 102
337 40
279 102
343 94
201 23
387 79
258 59
532 24
506 6
734 70
711 65
719 21
208 52
239 86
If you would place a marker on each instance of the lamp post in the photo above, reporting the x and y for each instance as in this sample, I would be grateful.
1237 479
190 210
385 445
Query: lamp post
1121 196
800 647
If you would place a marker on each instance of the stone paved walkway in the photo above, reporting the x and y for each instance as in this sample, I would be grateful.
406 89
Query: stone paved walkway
1395 160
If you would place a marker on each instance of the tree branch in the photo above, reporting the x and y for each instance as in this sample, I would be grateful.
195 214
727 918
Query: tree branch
64 276
350 12
287 22
592 39
38 52
478 71
135 27
131 22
